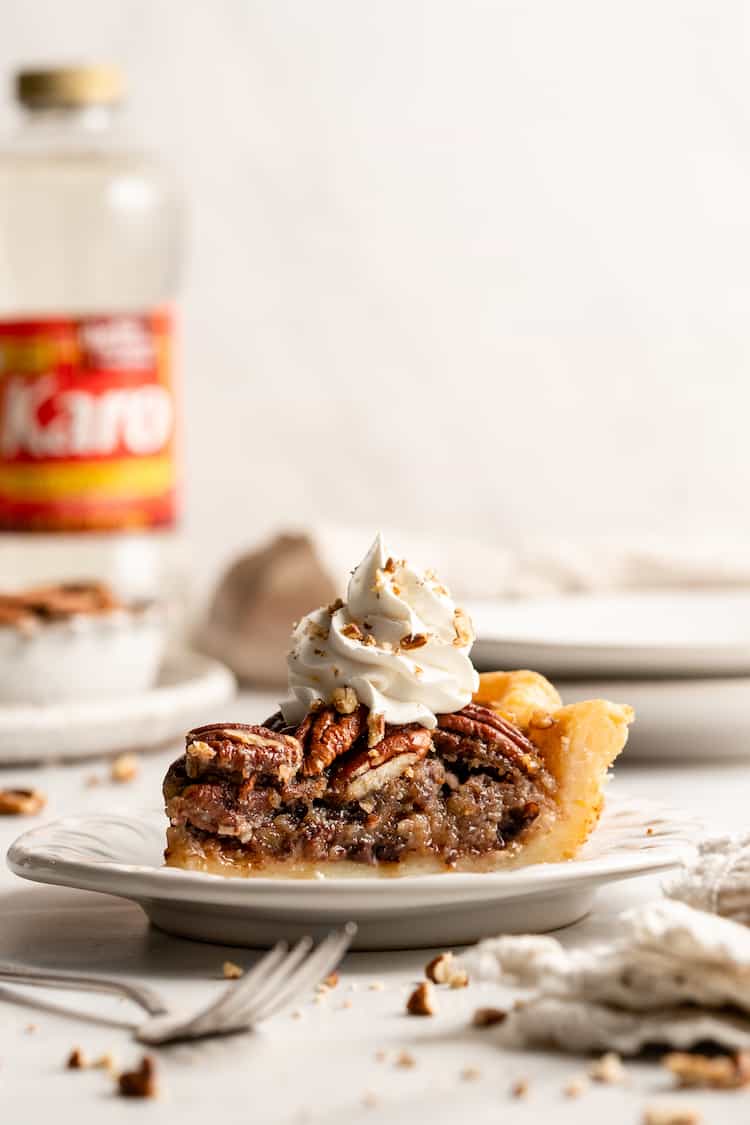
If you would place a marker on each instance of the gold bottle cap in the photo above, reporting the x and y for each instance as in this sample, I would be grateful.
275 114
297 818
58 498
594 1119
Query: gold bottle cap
61 86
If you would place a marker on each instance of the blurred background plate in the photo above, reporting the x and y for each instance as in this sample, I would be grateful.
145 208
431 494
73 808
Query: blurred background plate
189 686
686 720
614 635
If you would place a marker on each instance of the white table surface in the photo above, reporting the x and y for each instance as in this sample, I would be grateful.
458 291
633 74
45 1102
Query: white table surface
321 1067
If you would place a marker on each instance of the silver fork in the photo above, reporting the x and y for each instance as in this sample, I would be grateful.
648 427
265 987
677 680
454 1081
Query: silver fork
281 977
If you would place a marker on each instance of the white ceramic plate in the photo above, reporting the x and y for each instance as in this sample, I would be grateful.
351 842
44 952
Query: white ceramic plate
687 720
123 856
188 688
627 634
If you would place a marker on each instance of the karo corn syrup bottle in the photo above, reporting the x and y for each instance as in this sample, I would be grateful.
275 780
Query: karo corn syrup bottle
90 240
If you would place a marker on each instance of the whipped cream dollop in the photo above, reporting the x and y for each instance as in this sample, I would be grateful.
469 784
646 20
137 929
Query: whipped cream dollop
398 641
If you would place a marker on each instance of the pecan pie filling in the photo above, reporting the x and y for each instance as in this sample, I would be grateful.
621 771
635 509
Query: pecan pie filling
246 796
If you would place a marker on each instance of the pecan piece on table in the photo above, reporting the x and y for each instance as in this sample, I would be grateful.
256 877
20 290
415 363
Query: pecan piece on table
371 769
326 735
242 750
21 802
480 735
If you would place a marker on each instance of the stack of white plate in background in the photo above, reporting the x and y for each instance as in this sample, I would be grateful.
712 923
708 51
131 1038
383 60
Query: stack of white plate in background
681 659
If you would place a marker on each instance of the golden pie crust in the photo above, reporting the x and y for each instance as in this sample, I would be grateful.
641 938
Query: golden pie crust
578 743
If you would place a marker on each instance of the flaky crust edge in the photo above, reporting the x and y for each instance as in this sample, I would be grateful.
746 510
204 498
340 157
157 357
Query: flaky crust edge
578 742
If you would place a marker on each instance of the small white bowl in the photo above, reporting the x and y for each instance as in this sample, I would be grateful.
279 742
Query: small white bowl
85 657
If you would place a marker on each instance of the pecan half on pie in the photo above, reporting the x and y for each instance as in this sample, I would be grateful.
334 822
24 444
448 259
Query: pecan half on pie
391 754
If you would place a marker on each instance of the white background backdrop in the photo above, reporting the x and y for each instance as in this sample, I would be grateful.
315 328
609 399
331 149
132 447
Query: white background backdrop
452 263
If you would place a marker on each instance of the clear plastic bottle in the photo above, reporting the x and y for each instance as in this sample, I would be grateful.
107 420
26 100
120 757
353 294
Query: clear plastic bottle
90 249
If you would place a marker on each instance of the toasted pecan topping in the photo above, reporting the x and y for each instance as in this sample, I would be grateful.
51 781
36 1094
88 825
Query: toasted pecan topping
375 728
413 640
464 631
344 699
477 733
317 631
242 750
352 631
327 736
401 748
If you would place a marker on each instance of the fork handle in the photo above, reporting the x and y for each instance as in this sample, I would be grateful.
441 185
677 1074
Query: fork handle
144 997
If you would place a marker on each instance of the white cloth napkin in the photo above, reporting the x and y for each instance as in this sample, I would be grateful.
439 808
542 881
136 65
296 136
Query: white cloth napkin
677 974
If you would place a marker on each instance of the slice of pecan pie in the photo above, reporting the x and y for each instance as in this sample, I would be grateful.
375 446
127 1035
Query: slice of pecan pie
390 753
511 778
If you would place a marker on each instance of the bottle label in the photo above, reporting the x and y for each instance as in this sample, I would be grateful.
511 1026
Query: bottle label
87 423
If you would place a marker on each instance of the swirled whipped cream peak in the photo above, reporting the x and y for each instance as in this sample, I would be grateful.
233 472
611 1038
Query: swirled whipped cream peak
398 642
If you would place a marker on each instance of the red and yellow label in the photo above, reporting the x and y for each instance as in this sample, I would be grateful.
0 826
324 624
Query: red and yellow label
87 423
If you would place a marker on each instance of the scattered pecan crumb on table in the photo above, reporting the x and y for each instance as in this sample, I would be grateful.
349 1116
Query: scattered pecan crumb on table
124 768
520 1088
107 1062
576 1086
470 1074
421 1002
671 1113
719 1072
21 802
488 1017
232 971
331 980
444 970
608 1069
141 1082
405 1060
76 1060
